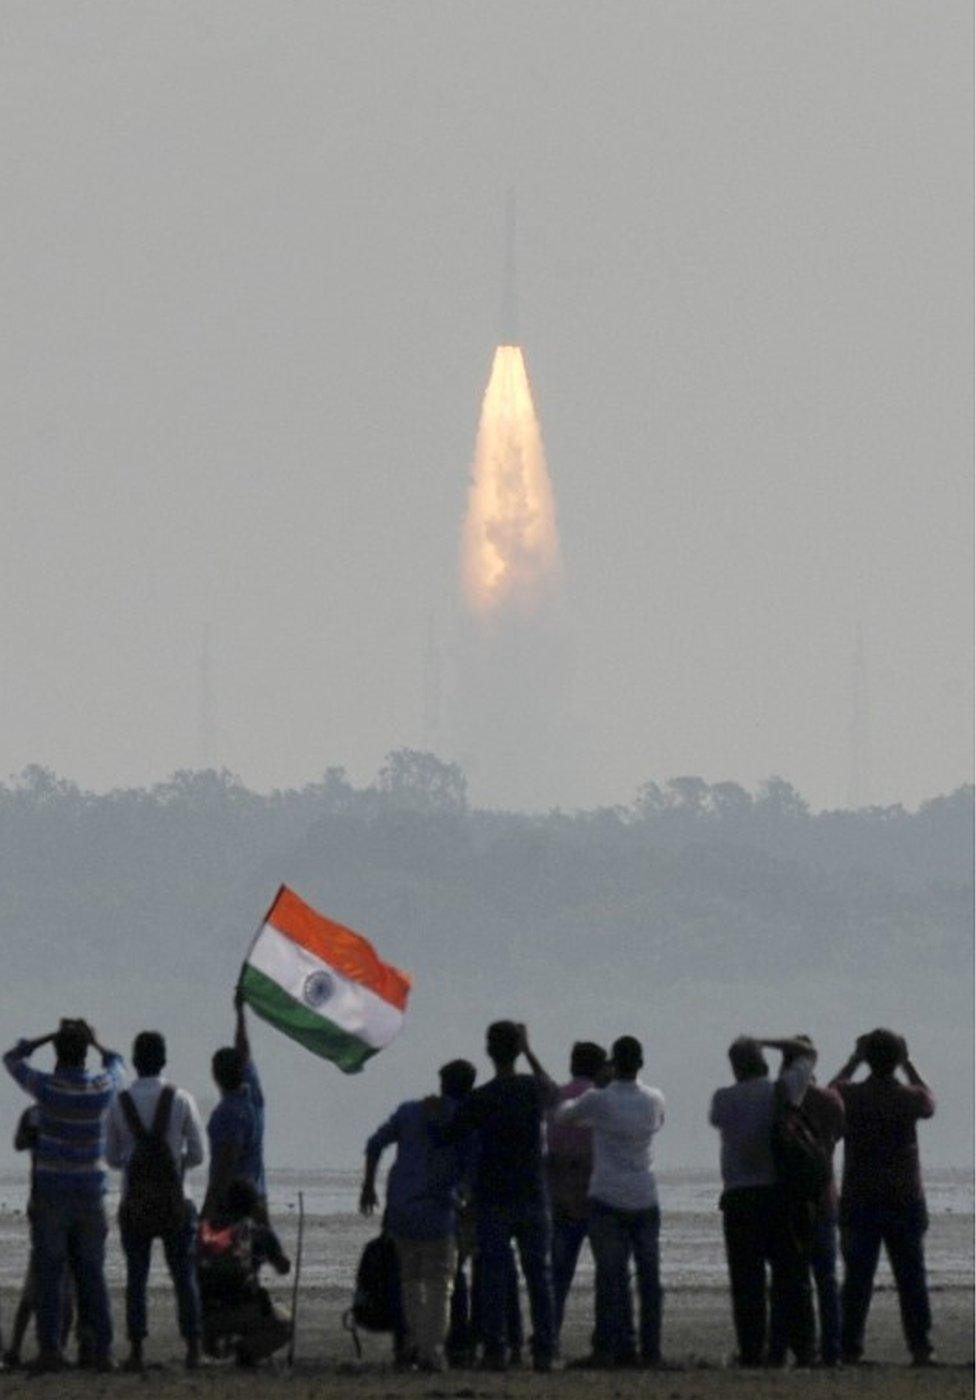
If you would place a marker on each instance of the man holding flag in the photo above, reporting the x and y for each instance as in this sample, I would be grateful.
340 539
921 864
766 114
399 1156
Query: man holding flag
236 1126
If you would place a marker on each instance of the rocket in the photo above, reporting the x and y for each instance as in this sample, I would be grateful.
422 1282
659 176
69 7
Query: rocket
508 324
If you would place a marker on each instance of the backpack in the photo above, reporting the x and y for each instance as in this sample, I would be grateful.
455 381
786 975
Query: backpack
802 1160
225 1261
376 1300
153 1203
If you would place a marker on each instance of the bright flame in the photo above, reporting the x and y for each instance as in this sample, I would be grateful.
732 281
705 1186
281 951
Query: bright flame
510 545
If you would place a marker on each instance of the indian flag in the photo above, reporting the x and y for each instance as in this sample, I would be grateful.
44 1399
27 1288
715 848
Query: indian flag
322 984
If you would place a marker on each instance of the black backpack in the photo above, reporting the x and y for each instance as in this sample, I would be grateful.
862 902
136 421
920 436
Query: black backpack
802 1160
376 1300
153 1203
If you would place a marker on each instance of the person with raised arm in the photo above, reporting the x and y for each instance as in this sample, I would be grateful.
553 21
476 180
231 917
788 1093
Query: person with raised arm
881 1198
756 1210
68 1201
236 1126
509 1189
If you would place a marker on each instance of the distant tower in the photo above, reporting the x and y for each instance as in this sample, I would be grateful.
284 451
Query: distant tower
431 720
859 789
206 724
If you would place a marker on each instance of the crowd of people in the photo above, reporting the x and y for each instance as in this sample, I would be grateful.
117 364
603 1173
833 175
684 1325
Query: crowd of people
524 1161
518 1163
84 1121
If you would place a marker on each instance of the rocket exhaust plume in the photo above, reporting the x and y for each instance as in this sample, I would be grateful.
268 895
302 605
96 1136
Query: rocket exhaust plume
510 545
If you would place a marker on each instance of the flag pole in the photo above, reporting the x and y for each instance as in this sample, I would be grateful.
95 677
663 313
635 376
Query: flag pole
298 1274
257 934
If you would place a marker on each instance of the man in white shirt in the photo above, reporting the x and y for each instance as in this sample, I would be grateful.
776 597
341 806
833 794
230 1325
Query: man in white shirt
624 1219
756 1211
183 1136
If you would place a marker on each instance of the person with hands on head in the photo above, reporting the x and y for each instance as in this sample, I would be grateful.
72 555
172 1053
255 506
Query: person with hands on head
756 1210
509 1189
882 1200
68 1202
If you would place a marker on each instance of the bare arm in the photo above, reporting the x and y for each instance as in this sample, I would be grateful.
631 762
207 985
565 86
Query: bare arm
848 1070
241 1042
549 1087
792 1046
912 1074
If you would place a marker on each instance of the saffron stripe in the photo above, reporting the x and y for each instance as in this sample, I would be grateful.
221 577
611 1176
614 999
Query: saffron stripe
345 951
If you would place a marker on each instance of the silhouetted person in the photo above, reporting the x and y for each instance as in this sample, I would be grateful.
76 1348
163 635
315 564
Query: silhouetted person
147 1104
233 1246
236 1126
756 1210
624 1216
421 1211
881 1199
25 1140
569 1161
823 1110
509 1189
68 1219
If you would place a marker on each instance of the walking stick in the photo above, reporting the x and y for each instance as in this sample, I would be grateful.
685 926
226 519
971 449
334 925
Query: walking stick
298 1274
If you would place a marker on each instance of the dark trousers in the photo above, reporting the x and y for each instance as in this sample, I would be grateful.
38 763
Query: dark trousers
901 1229
528 1224
823 1266
68 1230
467 1305
759 1231
616 1236
568 1235
823 1262
180 1252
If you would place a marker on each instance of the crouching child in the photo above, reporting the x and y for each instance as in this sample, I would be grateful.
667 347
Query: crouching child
238 1314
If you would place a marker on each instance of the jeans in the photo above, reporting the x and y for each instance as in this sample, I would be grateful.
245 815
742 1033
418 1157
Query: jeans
68 1228
527 1222
426 1273
759 1232
901 1229
615 1236
180 1251
568 1235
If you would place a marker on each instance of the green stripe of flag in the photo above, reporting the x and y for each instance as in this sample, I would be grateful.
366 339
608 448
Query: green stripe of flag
310 1029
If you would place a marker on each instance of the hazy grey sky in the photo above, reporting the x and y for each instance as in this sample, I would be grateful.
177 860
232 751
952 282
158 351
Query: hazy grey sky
250 273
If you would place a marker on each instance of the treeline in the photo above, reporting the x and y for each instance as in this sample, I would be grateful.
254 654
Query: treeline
690 878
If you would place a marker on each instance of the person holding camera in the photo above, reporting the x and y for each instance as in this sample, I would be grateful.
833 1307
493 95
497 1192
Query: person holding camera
881 1198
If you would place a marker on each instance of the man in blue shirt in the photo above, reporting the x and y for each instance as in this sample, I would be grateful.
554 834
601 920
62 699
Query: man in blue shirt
421 1210
236 1126
510 1196
68 1200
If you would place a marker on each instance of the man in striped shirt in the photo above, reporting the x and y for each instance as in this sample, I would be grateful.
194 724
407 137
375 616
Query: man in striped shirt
69 1217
